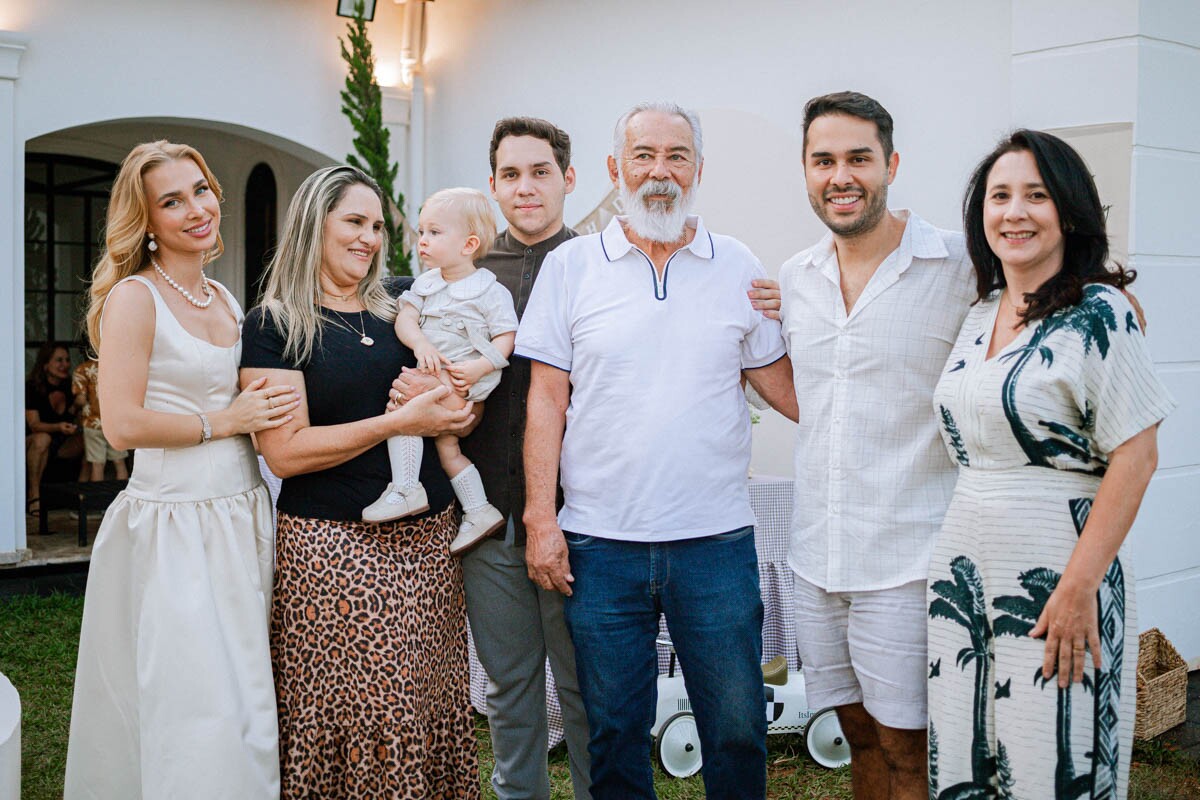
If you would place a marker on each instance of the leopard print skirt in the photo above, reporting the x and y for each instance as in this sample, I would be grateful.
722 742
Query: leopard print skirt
369 648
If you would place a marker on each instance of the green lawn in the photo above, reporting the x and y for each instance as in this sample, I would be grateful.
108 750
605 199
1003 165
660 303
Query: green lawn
38 640
38 637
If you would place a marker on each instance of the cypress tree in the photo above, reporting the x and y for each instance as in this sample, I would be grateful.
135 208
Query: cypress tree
362 103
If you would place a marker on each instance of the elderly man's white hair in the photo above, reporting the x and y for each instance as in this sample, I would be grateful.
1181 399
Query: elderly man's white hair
667 108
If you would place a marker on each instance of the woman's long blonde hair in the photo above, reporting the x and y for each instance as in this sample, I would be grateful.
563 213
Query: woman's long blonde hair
293 288
125 239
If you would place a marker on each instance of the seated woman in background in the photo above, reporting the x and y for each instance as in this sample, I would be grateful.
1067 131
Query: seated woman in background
1050 404
368 628
50 430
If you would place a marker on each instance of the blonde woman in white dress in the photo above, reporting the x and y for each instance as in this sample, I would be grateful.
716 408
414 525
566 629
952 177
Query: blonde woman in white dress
173 692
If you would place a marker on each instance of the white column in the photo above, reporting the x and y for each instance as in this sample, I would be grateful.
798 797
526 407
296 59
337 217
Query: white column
416 146
397 105
1118 79
1165 249
12 306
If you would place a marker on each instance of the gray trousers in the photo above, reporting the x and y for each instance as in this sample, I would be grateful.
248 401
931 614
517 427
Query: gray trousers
516 625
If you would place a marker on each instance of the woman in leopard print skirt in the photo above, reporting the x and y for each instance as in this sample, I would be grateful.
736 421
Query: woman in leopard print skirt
368 631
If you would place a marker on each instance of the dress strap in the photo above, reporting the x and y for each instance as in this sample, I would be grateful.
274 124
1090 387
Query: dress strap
238 315
140 279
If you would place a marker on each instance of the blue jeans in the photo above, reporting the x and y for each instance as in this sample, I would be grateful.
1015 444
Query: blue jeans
708 590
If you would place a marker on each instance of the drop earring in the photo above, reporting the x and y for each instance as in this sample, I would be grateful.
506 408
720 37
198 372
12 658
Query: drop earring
153 246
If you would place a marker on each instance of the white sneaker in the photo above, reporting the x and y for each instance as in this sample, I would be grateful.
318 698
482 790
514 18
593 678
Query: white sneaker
476 526
396 504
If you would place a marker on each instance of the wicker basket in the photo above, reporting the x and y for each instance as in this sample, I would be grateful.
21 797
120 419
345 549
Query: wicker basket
1161 686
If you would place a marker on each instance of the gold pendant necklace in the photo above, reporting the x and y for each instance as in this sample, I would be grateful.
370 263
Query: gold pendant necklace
365 340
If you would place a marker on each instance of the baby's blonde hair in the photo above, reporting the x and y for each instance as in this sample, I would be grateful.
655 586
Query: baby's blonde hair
476 212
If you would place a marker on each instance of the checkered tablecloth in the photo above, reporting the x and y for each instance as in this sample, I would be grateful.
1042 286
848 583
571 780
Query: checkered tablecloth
771 499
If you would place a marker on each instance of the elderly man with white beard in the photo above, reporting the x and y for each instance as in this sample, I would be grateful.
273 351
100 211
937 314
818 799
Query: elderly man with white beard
639 339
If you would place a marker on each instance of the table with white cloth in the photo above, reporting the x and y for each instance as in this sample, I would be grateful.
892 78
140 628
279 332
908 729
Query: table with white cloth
771 500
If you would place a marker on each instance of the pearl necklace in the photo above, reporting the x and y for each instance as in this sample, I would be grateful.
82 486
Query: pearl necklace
208 292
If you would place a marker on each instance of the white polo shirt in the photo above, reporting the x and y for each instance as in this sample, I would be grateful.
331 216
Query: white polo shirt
873 480
657 441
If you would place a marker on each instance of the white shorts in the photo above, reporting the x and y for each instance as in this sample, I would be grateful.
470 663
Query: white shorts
96 448
865 647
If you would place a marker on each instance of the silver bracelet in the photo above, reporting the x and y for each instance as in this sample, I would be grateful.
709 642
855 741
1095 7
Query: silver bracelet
205 429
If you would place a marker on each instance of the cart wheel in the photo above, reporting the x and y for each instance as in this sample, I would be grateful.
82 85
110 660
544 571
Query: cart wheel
678 746
824 740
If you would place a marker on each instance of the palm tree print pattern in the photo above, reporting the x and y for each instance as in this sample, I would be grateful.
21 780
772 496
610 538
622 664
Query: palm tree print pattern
961 601
1092 321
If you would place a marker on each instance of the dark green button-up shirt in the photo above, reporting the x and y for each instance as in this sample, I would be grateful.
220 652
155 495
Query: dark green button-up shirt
495 445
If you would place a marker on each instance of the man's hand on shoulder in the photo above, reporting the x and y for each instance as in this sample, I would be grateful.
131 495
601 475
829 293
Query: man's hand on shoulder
765 297
546 556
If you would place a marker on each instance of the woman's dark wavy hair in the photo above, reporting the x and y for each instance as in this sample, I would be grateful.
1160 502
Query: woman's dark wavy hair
1085 240
37 375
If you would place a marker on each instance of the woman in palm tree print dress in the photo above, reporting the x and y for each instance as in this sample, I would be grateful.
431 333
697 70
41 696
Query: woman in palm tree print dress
1050 405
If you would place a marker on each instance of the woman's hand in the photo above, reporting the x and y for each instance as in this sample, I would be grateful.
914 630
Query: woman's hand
1070 620
429 358
258 407
423 415
67 427
1071 627
466 374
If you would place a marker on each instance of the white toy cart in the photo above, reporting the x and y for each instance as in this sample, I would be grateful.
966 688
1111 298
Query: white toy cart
677 743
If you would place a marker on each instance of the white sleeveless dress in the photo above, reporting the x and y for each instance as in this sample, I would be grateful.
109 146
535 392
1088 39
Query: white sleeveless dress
174 697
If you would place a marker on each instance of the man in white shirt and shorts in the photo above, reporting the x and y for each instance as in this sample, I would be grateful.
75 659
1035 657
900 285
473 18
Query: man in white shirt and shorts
869 314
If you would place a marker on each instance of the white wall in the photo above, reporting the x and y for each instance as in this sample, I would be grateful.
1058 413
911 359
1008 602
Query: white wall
270 65
941 70
942 73
955 77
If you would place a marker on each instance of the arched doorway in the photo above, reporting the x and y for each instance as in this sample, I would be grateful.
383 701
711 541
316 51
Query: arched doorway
261 226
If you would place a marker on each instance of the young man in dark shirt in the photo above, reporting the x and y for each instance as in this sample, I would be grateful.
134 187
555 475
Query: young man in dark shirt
516 624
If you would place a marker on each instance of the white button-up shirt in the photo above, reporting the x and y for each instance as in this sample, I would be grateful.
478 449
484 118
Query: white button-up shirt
657 441
873 480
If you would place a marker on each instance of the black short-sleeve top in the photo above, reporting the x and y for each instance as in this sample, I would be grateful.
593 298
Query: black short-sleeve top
345 381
